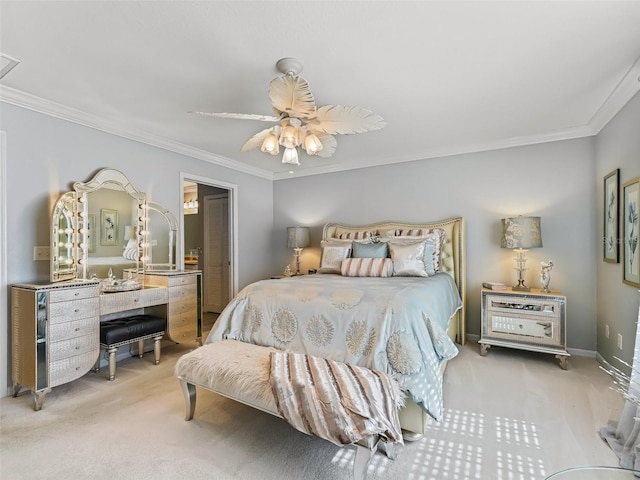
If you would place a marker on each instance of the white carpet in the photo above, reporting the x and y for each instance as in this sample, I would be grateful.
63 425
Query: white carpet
510 415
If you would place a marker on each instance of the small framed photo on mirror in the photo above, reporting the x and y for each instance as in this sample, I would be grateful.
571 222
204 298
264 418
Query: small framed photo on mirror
108 227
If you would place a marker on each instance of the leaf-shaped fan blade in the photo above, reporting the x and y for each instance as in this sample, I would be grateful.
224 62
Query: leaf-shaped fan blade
329 145
256 140
241 116
336 119
291 94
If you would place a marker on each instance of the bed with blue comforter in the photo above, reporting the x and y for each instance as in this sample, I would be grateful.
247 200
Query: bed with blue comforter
397 325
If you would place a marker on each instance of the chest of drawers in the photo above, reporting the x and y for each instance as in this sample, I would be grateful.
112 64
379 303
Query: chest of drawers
184 306
54 335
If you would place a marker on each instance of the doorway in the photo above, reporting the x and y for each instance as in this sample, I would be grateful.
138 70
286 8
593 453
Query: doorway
208 237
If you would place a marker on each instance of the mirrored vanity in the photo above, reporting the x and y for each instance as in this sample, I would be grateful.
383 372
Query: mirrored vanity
113 255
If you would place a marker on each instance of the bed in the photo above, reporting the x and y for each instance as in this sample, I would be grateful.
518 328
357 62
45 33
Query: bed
402 325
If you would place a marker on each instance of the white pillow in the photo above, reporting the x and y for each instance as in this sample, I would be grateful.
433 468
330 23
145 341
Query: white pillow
131 250
332 255
408 259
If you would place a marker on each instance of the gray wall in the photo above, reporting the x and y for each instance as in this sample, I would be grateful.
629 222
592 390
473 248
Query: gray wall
45 155
553 180
617 146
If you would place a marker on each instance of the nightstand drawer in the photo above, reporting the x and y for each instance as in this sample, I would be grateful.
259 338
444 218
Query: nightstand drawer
544 331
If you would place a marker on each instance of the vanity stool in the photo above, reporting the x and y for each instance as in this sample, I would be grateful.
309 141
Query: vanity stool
125 331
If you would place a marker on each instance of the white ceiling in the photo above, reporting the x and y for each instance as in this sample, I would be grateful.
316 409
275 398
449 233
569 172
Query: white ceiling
448 77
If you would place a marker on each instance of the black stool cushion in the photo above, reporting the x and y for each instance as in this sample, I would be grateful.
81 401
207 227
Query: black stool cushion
123 329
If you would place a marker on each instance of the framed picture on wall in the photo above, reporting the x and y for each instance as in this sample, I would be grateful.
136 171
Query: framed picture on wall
108 227
611 238
91 233
631 256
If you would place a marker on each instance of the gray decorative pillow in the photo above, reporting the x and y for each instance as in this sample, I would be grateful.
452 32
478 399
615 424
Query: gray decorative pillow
408 259
332 255
369 250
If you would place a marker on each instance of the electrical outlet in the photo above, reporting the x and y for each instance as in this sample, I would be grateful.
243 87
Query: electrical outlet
606 331
41 254
620 341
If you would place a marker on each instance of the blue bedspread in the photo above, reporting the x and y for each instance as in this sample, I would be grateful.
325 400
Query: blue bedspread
397 325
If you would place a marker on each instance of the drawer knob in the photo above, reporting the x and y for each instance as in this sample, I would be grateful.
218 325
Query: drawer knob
77 347
77 329
76 310
76 294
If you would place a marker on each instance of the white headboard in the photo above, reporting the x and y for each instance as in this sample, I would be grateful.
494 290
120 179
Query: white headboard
453 252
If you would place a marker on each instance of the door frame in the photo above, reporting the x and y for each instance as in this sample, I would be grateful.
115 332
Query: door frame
232 190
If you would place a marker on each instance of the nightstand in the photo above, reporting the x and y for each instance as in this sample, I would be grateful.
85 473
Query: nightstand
534 321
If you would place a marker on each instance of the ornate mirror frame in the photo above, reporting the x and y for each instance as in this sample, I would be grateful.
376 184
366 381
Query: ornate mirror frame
106 177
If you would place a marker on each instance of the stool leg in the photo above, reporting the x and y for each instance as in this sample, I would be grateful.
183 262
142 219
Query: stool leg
112 362
156 348
140 348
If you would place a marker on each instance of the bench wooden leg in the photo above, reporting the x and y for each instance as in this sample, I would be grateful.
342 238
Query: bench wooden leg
112 362
156 348
189 392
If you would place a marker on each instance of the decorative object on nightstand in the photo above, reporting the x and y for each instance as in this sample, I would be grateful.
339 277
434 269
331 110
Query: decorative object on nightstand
287 271
545 275
520 234
532 321
297 238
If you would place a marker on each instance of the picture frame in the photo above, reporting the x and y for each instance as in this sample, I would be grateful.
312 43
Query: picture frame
91 233
630 247
611 220
108 227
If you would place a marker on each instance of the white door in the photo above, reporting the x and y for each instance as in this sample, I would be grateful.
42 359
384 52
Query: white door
216 253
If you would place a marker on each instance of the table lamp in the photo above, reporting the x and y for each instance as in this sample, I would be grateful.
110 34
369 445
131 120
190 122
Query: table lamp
520 234
297 238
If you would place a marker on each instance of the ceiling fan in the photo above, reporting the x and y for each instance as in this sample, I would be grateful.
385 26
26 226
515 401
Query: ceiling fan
299 122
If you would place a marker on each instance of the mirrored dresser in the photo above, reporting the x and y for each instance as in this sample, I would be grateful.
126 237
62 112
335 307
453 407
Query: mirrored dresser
54 335
534 321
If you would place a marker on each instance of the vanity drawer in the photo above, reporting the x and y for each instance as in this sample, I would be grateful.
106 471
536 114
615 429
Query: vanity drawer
183 293
182 328
65 294
182 280
71 347
170 280
71 368
61 312
122 301
75 328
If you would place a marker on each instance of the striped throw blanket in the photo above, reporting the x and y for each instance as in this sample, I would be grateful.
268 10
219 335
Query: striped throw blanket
335 401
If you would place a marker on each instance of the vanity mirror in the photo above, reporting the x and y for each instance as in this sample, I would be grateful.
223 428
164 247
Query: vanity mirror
106 226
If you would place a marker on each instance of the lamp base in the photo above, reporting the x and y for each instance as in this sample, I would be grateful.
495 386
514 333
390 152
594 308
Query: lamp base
520 288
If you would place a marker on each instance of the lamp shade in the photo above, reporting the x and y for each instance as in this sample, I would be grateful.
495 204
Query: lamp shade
297 237
521 232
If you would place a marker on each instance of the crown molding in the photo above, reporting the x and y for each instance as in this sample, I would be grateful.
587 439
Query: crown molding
619 97
40 105
564 134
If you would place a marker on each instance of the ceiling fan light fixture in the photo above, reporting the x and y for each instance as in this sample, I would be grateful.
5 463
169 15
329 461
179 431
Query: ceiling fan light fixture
270 144
290 156
289 136
312 144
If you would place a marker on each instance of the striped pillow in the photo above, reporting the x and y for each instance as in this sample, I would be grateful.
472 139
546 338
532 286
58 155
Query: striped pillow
367 267
362 235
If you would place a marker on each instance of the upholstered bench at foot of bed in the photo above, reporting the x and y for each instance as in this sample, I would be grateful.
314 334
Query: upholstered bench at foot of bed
126 331
240 371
